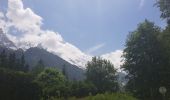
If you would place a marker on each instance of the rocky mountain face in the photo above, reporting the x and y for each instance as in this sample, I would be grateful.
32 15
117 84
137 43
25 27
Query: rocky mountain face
4 41
33 55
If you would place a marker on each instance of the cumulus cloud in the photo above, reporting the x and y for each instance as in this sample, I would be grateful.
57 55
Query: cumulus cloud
29 23
95 48
23 19
2 20
31 35
1 15
115 58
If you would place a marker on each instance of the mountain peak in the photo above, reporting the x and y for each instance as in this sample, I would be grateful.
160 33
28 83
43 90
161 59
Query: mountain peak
5 42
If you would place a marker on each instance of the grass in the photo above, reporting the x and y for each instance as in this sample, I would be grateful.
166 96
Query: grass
106 96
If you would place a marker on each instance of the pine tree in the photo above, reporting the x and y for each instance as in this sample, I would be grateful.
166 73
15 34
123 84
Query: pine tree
22 61
12 62
64 71
3 59
24 67
39 67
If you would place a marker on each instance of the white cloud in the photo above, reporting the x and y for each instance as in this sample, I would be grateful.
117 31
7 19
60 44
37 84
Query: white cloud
2 22
115 58
23 19
95 48
29 23
141 4
1 15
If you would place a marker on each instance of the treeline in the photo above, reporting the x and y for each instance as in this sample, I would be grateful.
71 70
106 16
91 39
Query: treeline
19 82
16 82
10 61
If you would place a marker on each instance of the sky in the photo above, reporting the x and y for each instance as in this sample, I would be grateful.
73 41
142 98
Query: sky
76 29
95 23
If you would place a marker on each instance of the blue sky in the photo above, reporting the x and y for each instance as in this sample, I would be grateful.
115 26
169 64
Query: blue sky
94 26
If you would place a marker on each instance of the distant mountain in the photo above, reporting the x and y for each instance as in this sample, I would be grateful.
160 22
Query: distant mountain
4 41
33 55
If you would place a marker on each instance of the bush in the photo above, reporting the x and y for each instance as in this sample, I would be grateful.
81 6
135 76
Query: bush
82 89
16 85
52 83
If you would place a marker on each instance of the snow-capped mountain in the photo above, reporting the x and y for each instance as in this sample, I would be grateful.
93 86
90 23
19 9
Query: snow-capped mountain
5 42
34 54
8 42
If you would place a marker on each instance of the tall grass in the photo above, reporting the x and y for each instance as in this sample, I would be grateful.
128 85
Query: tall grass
106 96
113 96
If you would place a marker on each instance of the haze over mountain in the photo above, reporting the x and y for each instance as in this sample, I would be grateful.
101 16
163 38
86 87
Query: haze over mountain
24 29
4 41
35 54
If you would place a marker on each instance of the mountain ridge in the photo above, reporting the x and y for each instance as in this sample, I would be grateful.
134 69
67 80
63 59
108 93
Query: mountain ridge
4 41
34 54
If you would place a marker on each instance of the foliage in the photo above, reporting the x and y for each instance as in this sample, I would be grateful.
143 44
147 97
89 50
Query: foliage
101 73
11 62
82 89
3 59
65 72
17 86
106 96
164 6
164 39
145 62
38 68
17 64
52 83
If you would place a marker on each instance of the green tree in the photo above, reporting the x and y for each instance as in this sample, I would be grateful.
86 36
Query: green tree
164 6
82 89
52 82
24 67
15 85
102 74
17 64
64 71
145 61
12 63
23 60
38 68
164 39
3 59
